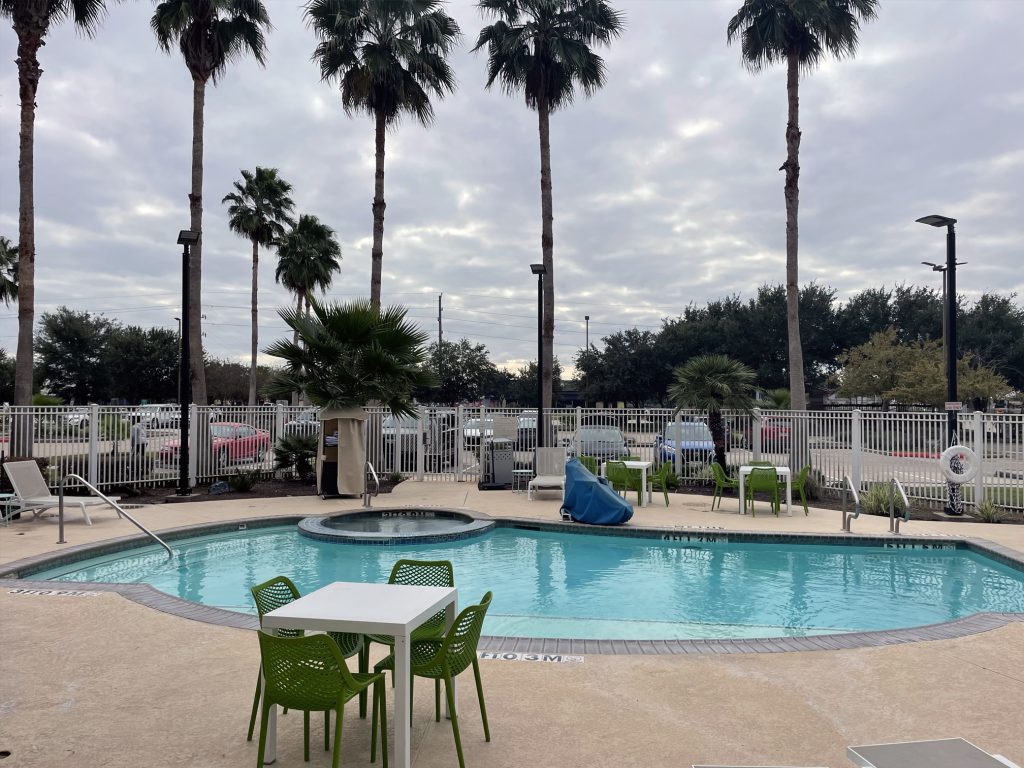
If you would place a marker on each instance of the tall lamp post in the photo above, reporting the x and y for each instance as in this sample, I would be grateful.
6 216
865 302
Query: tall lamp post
539 270
179 352
186 238
949 301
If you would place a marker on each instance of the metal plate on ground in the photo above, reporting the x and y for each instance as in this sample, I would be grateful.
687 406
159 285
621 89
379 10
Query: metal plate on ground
941 753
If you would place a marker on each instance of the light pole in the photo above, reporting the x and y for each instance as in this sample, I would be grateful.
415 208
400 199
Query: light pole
179 353
539 270
587 319
186 238
949 334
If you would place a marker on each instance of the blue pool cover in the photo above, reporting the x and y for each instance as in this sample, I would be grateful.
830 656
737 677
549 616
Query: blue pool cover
590 499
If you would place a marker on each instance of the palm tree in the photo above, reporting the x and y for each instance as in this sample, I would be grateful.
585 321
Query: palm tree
308 257
389 57
799 32
31 20
352 354
543 48
209 34
8 271
713 383
259 210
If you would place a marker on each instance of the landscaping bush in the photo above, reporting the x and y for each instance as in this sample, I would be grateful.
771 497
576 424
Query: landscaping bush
395 478
296 452
988 512
875 500
243 481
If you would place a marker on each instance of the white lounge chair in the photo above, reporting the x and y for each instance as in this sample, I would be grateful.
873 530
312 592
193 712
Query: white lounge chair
549 469
32 494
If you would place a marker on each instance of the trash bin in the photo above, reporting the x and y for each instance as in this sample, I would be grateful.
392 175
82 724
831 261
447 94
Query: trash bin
499 459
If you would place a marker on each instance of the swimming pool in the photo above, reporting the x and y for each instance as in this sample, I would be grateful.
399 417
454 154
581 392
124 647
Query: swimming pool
571 585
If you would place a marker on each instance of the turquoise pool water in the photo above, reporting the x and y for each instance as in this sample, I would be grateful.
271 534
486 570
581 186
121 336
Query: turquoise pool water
605 587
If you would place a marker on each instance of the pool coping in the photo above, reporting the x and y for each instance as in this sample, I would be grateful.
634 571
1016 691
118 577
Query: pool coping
17 576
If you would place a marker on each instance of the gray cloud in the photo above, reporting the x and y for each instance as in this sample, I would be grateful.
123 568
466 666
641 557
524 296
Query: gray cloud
666 183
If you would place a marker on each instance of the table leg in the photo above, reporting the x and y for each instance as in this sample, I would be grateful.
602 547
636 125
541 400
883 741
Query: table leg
743 506
270 751
645 496
403 732
449 619
789 494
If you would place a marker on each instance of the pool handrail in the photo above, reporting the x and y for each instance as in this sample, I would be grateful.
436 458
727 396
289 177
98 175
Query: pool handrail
369 470
120 510
894 520
850 488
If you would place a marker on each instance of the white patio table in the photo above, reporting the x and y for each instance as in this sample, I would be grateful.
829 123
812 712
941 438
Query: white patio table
940 753
782 472
380 609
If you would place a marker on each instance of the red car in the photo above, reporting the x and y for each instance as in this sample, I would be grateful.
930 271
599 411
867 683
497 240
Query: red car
232 442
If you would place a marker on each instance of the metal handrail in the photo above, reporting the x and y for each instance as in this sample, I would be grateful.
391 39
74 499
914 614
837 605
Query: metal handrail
368 469
894 521
120 511
850 488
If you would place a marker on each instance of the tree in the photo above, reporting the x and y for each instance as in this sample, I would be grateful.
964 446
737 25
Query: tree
8 272
6 377
210 34
308 257
258 211
993 329
522 385
142 364
799 32
351 354
31 20
543 48
71 350
463 371
389 58
228 381
627 369
714 383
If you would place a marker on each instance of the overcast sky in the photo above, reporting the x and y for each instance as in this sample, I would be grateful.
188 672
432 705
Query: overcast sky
666 183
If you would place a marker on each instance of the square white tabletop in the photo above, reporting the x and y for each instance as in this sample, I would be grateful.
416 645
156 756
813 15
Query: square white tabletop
940 753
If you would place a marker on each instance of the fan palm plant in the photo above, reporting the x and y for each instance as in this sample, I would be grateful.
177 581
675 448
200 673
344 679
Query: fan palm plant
350 355
389 57
210 34
32 20
801 33
8 271
713 383
308 257
543 49
258 211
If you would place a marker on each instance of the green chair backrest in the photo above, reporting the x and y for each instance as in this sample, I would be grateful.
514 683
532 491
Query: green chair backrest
307 673
763 479
801 478
459 646
590 463
718 473
272 594
616 473
425 573
663 473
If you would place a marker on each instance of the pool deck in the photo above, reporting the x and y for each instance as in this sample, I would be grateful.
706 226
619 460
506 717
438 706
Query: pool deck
100 680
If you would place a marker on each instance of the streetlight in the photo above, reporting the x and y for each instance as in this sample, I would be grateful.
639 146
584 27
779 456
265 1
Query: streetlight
539 270
186 238
949 333
587 319
179 352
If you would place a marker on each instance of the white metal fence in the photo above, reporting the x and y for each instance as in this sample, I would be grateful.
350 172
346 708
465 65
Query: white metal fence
104 444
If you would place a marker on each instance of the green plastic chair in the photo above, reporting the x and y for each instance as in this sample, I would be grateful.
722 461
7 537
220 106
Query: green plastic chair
659 480
800 485
272 594
623 479
590 463
766 480
722 482
420 573
309 673
447 658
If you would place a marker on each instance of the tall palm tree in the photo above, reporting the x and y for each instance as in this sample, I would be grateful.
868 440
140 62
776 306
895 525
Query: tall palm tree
543 48
352 354
8 271
713 383
31 20
308 257
258 211
801 33
389 56
210 34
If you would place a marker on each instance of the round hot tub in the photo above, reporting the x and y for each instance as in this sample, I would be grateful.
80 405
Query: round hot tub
393 526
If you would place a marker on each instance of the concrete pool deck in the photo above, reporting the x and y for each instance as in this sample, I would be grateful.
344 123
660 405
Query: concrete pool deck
100 680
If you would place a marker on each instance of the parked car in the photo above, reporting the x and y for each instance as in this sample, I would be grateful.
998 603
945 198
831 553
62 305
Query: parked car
438 438
307 422
774 435
601 442
79 418
695 443
157 415
231 442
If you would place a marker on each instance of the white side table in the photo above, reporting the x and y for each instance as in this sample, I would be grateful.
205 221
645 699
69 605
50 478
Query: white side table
520 479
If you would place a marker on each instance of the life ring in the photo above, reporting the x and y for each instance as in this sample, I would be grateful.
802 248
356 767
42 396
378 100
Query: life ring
967 460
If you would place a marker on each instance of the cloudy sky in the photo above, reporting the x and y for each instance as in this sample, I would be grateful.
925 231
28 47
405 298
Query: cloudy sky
666 184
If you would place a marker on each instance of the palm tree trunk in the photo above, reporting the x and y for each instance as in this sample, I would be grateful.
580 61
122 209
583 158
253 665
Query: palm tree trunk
30 33
295 339
195 206
377 254
255 329
797 394
717 427
547 245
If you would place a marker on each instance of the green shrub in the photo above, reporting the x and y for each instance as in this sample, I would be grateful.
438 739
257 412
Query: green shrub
395 478
296 452
243 480
875 500
41 399
988 512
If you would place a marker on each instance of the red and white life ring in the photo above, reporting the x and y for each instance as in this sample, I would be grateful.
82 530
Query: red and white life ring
968 461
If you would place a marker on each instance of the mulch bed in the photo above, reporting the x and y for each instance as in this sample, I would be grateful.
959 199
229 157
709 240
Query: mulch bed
264 489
